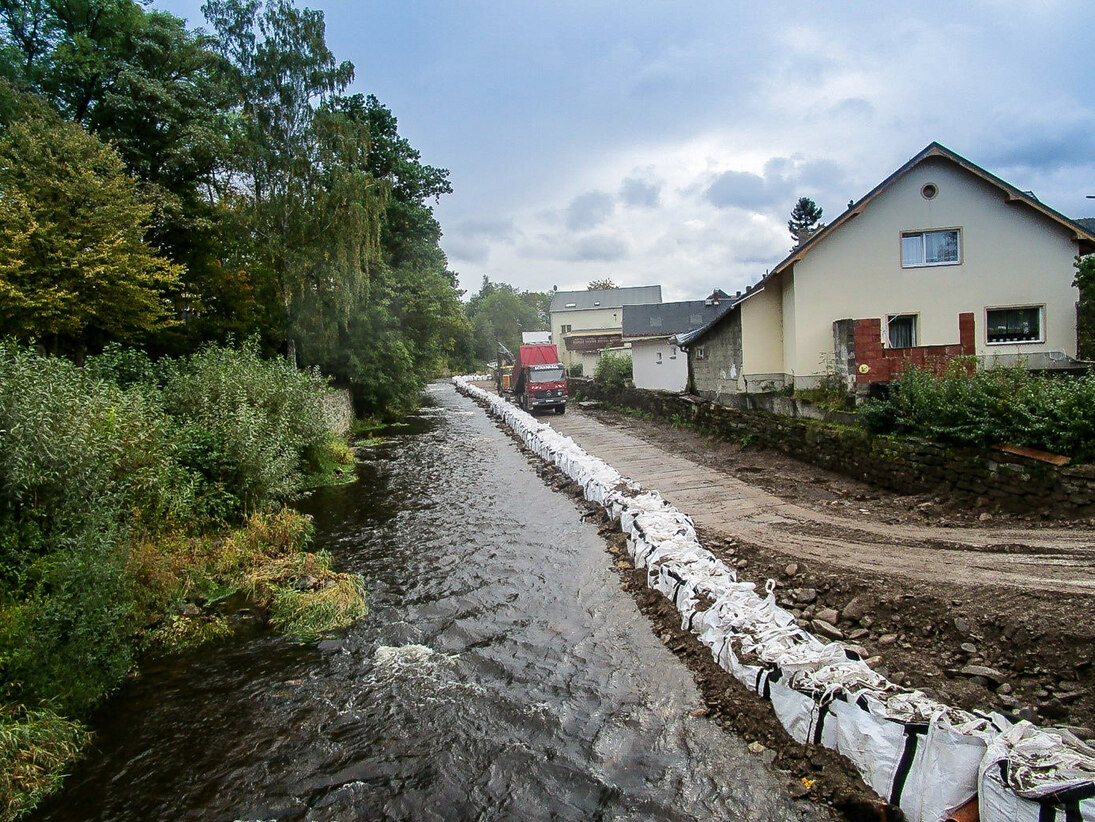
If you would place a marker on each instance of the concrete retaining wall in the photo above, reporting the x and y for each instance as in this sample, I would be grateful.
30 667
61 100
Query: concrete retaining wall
338 411
993 479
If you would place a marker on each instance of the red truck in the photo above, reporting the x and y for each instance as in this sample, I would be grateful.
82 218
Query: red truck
539 378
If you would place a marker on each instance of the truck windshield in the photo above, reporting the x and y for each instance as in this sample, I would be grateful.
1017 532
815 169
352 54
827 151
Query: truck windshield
546 373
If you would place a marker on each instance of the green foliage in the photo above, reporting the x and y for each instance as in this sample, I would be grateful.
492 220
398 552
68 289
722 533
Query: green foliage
247 429
96 457
575 370
74 267
831 391
68 641
1085 331
805 220
986 407
613 371
37 747
499 313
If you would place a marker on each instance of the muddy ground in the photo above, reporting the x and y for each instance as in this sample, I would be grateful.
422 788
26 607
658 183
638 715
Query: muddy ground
1026 653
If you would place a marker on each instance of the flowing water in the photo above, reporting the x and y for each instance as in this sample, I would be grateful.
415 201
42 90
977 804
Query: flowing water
502 674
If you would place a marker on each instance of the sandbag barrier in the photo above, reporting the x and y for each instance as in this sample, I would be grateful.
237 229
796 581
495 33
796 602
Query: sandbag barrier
931 760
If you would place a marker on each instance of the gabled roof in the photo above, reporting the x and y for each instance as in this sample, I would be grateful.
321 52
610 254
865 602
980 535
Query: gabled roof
604 298
1087 223
1081 234
664 319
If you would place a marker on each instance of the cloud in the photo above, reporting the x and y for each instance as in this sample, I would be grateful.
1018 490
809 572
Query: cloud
636 192
487 228
589 248
589 210
597 247
740 189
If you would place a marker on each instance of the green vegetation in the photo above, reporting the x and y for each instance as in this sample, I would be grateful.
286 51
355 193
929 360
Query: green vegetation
575 370
170 188
36 747
1085 281
177 191
133 491
613 371
987 407
499 313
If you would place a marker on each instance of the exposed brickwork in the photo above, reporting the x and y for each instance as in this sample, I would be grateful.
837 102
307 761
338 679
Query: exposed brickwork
887 364
905 465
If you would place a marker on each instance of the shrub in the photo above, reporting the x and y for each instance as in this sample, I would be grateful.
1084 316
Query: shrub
575 370
986 407
613 371
249 429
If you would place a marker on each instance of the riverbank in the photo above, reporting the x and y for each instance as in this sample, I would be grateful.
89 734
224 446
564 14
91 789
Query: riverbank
969 650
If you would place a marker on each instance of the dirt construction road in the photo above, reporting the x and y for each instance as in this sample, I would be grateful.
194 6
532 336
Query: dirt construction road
1027 556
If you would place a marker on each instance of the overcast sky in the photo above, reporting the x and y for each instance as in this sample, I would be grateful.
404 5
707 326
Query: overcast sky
665 142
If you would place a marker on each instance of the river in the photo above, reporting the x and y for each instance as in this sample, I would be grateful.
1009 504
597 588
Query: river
501 674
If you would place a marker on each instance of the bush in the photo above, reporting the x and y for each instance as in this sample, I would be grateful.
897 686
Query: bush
249 429
575 370
991 406
613 371
116 480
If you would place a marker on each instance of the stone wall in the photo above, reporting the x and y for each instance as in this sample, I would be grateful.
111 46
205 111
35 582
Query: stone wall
717 373
338 411
991 478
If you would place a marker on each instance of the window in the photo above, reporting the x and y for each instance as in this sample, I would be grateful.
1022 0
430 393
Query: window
901 330
700 354
673 352
658 358
1012 325
566 329
929 248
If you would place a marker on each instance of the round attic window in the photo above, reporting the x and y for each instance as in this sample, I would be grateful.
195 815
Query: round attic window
929 191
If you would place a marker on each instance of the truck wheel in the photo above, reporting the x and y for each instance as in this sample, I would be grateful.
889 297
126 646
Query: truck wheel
560 409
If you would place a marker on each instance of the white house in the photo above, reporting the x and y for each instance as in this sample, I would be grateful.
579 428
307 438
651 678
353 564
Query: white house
942 257
584 323
656 362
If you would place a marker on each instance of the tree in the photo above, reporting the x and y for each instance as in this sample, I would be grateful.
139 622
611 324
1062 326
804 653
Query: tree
74 268
805 220
499 313
281 71
1085 327
603 283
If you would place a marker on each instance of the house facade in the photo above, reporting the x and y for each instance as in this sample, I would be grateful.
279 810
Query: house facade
657 363
584 323
941 255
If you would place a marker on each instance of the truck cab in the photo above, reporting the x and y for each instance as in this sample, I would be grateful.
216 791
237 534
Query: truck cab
545 386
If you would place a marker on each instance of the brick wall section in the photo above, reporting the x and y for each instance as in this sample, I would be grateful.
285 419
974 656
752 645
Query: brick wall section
991 478
886 364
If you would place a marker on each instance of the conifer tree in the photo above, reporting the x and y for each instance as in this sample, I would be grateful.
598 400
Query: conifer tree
805 220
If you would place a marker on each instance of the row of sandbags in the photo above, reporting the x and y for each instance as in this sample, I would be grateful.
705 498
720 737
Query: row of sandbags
925 757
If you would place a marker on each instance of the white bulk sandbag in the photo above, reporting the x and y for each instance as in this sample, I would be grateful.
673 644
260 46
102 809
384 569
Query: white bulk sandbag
942 776
1037 774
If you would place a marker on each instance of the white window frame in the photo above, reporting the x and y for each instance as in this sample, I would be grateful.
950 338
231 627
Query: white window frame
1041 323
672 352
700 353
657 357
923 249
916 328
